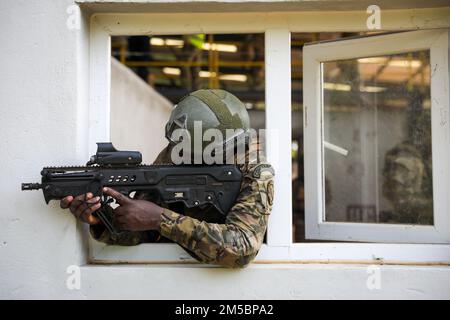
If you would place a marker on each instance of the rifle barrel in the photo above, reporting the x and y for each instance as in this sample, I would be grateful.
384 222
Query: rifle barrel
31 186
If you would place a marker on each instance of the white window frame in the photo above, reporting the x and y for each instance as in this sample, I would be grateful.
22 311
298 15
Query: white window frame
277 28
314 55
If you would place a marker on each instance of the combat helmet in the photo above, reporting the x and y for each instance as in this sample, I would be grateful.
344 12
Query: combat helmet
214 109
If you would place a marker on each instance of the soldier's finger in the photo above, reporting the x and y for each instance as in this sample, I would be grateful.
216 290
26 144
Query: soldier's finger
75 204
65 202
79 204
78 200
94 200
93 208
80 210
93 220
87 216
120 198
84 197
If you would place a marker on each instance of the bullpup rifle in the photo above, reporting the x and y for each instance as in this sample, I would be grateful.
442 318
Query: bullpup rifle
192 185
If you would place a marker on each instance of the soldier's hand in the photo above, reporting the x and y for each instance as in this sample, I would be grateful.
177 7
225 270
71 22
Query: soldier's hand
82 207
135 215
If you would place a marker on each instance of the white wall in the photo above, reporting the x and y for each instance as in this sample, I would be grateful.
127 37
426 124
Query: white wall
39 119
310 281
43 121
138 113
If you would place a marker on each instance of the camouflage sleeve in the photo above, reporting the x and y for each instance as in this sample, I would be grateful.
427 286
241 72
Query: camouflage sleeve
126 238
236 242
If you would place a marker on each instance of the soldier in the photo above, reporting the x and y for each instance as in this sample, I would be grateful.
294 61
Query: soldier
408 174
208 236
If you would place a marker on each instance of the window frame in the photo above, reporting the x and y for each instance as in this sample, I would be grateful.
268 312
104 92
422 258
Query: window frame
314 55
277 28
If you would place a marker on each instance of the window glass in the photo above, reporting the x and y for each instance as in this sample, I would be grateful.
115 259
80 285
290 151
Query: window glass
377 139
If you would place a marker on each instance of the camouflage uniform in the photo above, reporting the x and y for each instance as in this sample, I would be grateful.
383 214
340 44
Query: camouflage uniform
408 185
208 236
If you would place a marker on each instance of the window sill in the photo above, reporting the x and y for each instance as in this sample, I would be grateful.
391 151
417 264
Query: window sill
299 253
